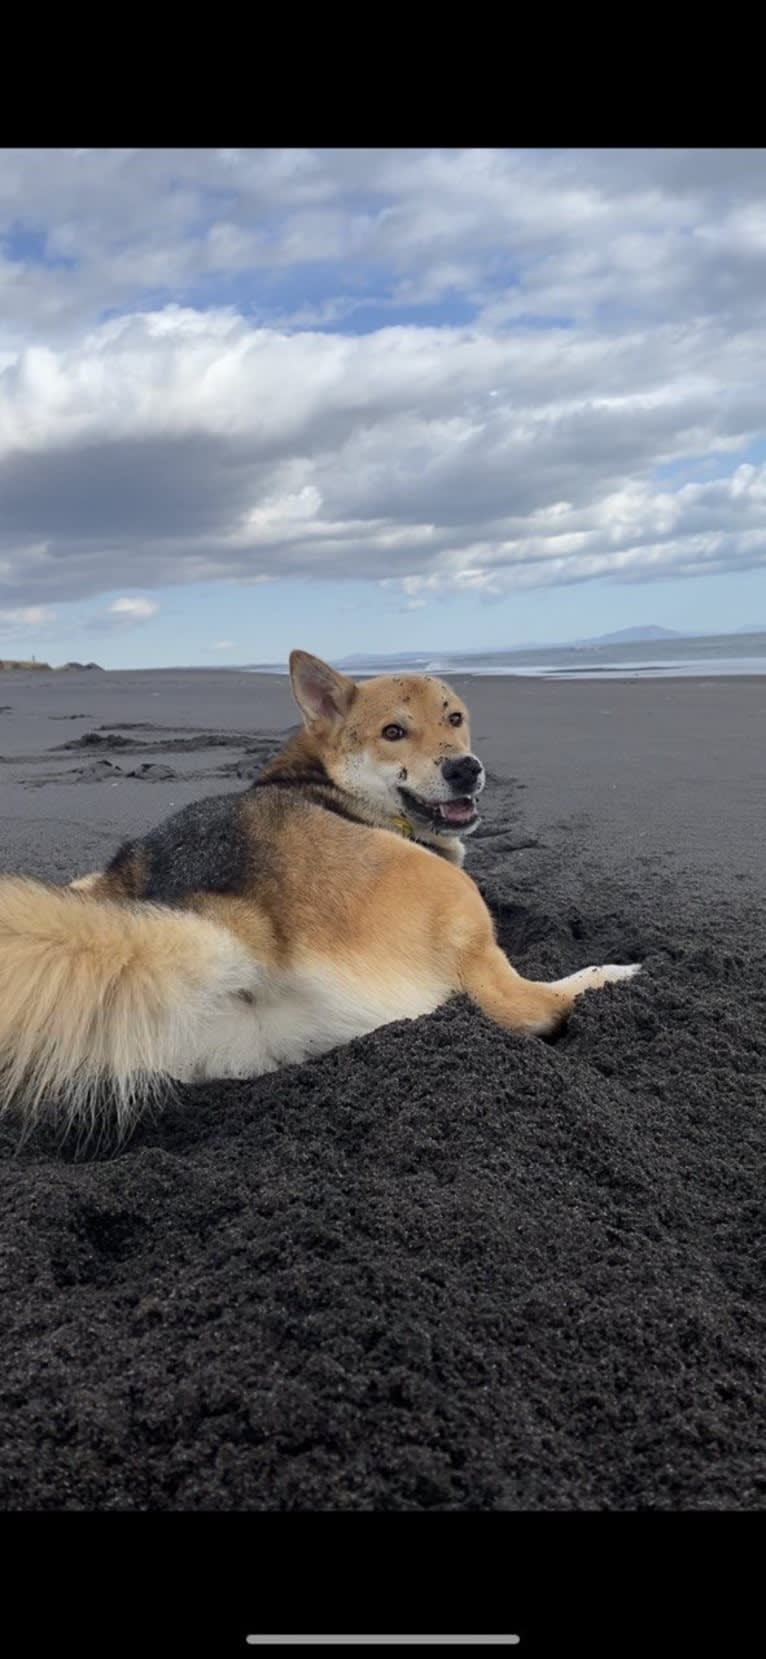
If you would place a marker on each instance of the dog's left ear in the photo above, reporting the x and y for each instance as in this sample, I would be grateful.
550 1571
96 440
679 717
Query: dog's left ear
319 690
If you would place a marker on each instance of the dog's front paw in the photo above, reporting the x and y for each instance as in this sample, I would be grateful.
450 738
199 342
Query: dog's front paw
612 972
592 979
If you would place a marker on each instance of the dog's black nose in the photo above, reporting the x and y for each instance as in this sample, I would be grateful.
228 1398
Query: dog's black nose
462 773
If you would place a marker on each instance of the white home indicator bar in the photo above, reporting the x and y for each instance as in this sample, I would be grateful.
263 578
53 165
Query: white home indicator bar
384 1641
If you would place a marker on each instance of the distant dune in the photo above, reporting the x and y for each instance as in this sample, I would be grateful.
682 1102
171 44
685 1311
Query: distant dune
10 662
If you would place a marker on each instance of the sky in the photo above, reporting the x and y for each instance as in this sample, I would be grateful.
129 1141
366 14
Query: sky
377 400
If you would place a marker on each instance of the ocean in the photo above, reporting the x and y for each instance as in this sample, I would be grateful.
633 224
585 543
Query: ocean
709 654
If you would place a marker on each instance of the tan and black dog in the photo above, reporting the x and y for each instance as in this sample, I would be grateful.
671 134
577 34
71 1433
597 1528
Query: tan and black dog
254 930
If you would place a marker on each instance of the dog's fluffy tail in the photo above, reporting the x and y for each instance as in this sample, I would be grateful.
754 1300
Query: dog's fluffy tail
103 1001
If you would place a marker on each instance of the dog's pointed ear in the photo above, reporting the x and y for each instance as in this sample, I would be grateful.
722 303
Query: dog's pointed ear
322 694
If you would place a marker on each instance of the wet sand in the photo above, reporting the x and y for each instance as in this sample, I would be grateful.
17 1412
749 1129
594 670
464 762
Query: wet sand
442 1268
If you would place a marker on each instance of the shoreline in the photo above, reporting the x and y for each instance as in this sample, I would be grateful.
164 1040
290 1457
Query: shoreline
282 674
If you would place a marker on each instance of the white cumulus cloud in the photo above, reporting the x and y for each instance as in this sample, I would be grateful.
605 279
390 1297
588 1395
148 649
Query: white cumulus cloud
444 370
135 610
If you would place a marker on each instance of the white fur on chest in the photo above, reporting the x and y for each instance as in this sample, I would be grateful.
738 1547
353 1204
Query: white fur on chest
302 1013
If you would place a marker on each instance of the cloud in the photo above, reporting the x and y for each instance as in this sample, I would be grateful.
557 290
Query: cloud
27 616
134 610
121 614
450 371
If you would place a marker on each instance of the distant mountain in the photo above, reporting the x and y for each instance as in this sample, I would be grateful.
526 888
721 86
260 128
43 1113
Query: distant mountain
624 636
634 636
418 661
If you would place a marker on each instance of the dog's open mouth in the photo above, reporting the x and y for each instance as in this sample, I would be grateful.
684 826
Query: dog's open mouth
450 817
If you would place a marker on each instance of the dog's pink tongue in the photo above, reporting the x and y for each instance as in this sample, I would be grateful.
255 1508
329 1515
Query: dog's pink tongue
457 812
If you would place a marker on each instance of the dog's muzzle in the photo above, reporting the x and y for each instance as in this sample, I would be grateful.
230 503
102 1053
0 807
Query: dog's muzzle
458 814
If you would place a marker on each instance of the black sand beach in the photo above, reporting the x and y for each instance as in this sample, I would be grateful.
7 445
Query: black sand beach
441 1269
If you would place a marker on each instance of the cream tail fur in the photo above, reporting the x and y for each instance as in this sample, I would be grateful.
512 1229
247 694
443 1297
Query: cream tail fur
105 994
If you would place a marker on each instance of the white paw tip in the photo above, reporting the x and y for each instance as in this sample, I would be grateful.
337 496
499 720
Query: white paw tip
620 970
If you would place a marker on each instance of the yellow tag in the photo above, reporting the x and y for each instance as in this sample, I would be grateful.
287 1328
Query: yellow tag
403 826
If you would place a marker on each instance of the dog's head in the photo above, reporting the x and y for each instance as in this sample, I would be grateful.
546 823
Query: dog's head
400 744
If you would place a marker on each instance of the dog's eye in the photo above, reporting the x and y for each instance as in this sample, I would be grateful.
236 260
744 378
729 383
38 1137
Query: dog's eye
393 733
456 719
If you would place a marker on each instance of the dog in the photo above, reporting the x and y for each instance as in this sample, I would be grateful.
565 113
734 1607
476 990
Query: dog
254 930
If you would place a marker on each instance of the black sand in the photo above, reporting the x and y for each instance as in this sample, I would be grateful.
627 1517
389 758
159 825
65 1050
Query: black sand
442 1268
